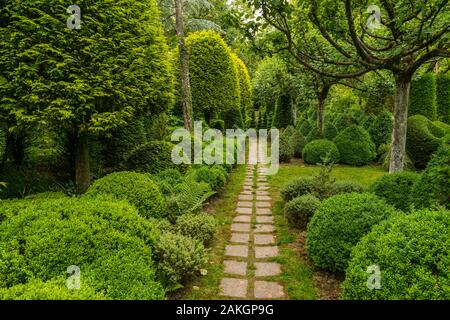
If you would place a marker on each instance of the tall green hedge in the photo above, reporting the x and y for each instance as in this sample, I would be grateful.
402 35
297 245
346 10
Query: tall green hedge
283 112
443 97
213 76
422 99
421 143
245 86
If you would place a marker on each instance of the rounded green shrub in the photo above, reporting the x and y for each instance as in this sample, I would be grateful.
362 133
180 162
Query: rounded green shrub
136 188
339 224
178 257
46 195
433 186
299 210
199 226
286 149
412 254
395 188
339 187
317 150
214 176
421 143
152 157
422 98
443 97
343 120
298 142
355 146
297 188
380 129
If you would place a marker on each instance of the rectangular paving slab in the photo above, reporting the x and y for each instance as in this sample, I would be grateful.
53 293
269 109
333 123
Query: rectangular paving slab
261 204
232 287
266 252
240 237
262 188
243 227
235 267
268 290
244 210
264 228
246 192
245 197
264 219
263 198
242 218
267 269
236 250
247 204
263 211
262 193
264 239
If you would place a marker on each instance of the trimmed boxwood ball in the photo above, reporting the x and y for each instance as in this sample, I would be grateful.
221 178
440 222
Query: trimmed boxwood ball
355 146
412 252
200 226
214 176
315 151
432 189
346 187
299 210
136 188
421 143
152 157
339 224
298 142
395 188
297 188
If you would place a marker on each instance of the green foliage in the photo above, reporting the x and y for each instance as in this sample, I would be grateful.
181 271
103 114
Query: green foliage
343 120
137 188
197 226
214 79
296 188
317 150
179 257
214 176
245 87
412 254
299 210
298 142
85 77
420 141
443 97
306 126
283 112
395 188
339 187
422 99
355 146
339 224
286 149
152 157
433 187
380 128
330 131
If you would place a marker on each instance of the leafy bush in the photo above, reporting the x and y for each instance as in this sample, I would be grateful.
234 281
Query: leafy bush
422 99
412 254
167 180
46 195
433 186
286 149
395 188
283 112
296 188
197 226
315 151
306 127
355 146
343 120
214 176
152 157
443 97
346 187
381 128
330 131
338 225
137 188
420 141
178 257
298 142
299 210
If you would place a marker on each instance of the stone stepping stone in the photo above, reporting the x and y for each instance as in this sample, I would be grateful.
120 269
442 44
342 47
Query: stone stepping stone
263 198
260 188
236 250
267 269
263 184
245 197
264 239
261 204
247 204
268 290
244 210
242 227
248 184
232 287
266 252
235 267
246 218
240 237
264 219
262 193
249 188
262 179
264 228
246 192
263 211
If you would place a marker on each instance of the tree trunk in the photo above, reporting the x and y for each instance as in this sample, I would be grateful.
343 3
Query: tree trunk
82 169
186 99
400 123
322 97
294 110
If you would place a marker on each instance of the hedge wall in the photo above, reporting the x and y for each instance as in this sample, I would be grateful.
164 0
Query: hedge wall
443 97
422 98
